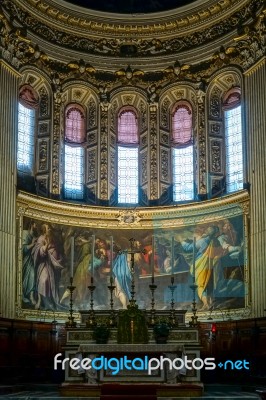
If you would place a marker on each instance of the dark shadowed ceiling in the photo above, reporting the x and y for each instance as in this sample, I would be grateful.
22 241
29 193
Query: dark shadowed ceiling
131 6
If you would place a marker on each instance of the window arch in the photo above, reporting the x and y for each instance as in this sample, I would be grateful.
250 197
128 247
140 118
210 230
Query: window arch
182 152
128 153
234 171
28 103
74 168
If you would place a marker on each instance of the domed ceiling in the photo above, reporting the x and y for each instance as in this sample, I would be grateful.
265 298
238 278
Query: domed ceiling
131 6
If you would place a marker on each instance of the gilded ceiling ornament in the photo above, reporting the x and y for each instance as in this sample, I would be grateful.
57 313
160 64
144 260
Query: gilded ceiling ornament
128 73
151 47
81 67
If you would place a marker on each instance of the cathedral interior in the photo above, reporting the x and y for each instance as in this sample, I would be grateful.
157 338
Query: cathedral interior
132 173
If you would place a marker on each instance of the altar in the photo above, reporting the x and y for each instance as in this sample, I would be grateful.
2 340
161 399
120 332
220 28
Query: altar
132 346
182 342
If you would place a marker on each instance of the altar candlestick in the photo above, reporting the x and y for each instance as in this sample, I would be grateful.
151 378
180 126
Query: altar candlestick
92 257
172 256
152 260
194 264
111 256
71 256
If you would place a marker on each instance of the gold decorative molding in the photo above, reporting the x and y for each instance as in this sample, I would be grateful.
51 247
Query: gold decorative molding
126 218
9 68
92 22
256 66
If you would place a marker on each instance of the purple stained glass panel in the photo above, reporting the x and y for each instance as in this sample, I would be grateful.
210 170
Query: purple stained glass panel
127 128
74 126
182 125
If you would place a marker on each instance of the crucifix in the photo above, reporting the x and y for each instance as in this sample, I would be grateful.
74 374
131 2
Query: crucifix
133 250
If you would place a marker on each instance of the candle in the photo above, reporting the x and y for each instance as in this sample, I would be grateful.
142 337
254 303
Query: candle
111 261
152 259
71 256
194 264
92 256
172 256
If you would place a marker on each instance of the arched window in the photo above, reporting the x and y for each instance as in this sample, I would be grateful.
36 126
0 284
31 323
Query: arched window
234 173
128 149
74 152
28 103
182 153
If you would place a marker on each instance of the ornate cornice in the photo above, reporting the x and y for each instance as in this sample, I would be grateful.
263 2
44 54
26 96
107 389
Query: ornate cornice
49 24
94 23
131 218
19 49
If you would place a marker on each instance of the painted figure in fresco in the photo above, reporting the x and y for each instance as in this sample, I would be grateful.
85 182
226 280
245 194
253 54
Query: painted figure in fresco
233 284
207 258
122 272
162 252
122 277
47 261
227 240
83 272
28 268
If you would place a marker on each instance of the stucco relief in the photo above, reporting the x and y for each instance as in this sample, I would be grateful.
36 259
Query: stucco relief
145 47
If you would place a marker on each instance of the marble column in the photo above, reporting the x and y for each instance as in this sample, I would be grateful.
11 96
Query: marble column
255 121
8 138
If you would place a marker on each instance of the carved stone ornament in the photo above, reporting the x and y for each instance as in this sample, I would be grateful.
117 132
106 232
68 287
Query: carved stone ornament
201 148
216 165
57 112
215 104
43 155
92 119
128 217
215 129
21 211
113 166
104 155
44 103
165 165
251 42
144 172
145 47
245 207
165 113
92 165
42 185
153 157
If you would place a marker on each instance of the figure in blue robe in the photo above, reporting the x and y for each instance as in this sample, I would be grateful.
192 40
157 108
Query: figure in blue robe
122 276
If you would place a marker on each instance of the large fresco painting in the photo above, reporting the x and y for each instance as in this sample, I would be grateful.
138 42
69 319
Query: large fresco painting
211 253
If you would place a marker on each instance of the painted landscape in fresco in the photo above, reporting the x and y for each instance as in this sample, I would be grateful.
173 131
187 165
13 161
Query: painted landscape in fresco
216 248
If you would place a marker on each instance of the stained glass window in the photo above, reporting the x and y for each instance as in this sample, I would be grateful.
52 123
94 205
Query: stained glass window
128 164
182 153
74 129
74 153
74 172
182 125
233 149
128 128
183 185
128 175
26 132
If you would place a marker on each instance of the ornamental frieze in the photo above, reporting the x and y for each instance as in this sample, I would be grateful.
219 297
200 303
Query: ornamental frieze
169 24
122 47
